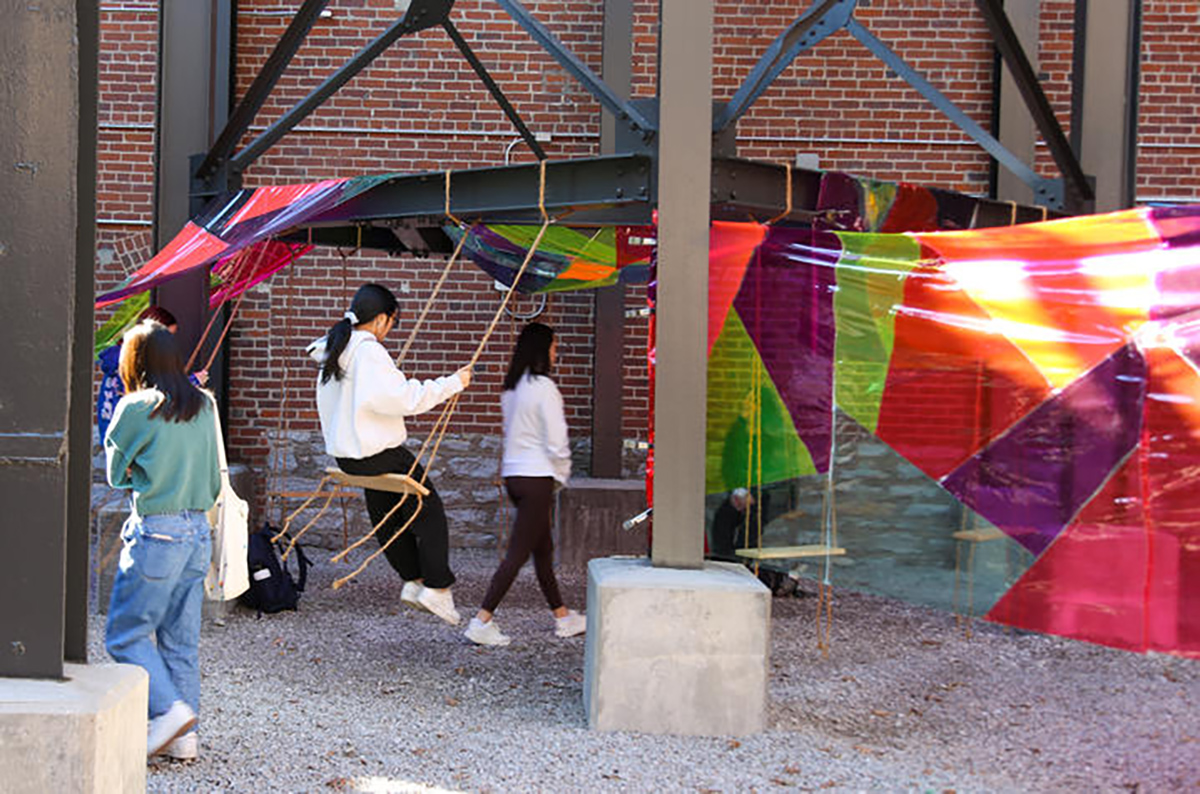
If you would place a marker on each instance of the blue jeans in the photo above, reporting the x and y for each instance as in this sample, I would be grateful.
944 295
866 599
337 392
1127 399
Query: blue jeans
157 593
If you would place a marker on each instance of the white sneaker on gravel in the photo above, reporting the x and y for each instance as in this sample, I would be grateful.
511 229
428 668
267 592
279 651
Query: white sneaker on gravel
410 595
166 727
185 748
488 633
570 624
440 603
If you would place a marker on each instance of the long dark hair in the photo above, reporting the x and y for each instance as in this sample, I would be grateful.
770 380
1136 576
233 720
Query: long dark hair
150 359
369 302
532 354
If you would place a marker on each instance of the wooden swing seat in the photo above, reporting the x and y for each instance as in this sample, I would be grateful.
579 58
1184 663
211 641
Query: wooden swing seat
792 552
981 535
395 483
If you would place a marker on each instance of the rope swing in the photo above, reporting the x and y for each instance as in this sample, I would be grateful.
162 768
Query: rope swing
405 484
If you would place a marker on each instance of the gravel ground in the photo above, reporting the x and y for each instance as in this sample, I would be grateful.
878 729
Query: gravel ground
351 693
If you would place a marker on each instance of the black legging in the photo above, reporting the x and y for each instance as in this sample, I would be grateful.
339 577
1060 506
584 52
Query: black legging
530 535
423 551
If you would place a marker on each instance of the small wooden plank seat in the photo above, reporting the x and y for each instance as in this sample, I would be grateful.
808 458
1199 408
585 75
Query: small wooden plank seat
396 483
980 535
791 552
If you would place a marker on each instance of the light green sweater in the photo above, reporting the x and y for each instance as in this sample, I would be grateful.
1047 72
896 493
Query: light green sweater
170 466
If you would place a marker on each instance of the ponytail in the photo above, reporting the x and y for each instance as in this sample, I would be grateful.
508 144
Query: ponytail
369 302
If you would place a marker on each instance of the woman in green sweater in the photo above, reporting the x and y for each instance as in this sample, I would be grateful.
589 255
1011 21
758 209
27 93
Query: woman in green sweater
162 445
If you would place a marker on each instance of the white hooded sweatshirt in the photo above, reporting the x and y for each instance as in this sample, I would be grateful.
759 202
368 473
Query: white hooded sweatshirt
363 413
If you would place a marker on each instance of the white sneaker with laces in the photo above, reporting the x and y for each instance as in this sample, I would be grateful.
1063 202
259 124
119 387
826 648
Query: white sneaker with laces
166 727
185 748
410 595
488 633
570 624
440 603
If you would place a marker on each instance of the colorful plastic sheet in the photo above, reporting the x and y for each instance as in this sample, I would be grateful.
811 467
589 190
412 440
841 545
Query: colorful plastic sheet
1040 380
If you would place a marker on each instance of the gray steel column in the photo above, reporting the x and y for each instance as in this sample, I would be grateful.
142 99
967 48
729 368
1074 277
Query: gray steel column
1105 126
608 352
47 58
1017 130
193 103
684 176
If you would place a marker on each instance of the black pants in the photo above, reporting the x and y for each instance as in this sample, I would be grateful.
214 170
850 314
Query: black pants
423 551
530 535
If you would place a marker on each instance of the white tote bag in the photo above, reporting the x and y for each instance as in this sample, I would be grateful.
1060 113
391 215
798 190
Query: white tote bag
228 573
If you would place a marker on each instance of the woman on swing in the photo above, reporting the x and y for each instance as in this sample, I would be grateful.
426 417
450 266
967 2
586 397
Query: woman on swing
362 399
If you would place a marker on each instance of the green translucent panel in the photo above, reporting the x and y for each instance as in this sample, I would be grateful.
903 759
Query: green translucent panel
730 408
126 314
870 277
599 246
877 200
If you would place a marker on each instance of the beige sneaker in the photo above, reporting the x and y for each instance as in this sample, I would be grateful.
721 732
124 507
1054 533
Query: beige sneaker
440 603
488 633
570 624
166 727
185 748
410 595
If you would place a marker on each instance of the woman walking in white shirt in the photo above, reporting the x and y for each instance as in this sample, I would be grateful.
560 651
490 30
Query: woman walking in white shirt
536 458
362 399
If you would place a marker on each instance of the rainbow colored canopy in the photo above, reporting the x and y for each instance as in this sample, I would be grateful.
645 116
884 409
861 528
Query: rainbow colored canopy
1045 376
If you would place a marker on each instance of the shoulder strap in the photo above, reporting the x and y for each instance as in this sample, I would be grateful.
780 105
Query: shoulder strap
220 440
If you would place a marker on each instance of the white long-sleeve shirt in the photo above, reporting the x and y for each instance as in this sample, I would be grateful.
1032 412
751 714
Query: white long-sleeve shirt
363 413
535 431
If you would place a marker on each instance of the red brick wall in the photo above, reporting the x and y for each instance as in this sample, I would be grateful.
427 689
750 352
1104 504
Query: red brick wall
419 107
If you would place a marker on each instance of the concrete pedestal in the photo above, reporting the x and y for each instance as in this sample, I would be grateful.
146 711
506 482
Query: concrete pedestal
676 651
84 734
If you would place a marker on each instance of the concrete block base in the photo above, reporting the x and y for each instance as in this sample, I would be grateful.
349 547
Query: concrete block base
676 651
83 734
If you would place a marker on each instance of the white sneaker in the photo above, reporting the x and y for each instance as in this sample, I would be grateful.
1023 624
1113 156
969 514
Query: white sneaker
410 595
166 727
185 748
488 633
440 603
570 624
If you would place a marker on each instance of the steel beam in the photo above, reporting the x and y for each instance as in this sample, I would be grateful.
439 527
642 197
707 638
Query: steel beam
608 337
48 56
420 15
1105 111
819 21
685 142
192 105
600 191
592 191
1012 123
1046 191
501 100
262 86
620 108
1026 79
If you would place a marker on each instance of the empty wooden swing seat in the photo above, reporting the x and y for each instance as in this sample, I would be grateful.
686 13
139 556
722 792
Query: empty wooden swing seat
395 483
792 552
980 535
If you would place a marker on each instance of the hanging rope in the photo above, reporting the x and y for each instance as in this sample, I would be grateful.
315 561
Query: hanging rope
243 265
412 335
443 422
788 210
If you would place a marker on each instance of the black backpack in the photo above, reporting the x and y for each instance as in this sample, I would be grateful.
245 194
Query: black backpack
272 588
